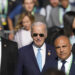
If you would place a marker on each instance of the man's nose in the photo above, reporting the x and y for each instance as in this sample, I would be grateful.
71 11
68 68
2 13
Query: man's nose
61 49
38 36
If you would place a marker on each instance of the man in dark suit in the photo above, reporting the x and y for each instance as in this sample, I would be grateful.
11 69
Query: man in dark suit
35 58
66 59
8 56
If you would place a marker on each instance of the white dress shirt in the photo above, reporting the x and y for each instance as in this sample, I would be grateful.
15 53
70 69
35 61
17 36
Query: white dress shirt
67 64
43 53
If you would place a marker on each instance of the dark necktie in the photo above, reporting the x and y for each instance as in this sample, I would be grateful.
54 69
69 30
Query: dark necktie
63 65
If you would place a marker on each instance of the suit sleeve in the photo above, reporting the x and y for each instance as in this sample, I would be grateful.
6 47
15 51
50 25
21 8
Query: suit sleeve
19 66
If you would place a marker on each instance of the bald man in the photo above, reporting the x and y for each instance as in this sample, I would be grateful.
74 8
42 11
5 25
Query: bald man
65 60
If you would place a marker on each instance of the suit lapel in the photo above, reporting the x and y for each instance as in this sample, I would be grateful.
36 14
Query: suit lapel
33 57
48 56
72 72
56 62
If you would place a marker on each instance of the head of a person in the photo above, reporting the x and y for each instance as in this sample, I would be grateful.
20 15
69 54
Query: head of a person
62 46
64 3
53 71
69 23
54 3
36 2
28 5
25 21
39 33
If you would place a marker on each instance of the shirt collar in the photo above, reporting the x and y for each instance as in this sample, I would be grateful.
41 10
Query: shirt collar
42 47
68 59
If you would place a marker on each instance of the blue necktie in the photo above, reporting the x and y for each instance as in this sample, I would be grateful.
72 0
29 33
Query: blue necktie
39 59
63 65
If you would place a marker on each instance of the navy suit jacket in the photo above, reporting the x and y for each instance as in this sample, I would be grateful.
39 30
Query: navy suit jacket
72 69
27 63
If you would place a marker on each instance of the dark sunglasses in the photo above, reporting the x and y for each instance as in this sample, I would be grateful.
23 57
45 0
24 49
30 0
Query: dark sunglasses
35 35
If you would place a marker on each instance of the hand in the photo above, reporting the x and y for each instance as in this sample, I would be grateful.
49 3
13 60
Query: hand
0 28
11 36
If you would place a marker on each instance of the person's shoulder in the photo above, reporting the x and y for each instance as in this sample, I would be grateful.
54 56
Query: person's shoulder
51 49
9 42
50 46
74 56
48 7
26 48
19 31
73 60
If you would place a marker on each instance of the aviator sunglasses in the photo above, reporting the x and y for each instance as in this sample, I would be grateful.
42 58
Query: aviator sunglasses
35 35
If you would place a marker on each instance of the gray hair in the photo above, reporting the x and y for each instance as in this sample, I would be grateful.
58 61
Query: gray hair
38 24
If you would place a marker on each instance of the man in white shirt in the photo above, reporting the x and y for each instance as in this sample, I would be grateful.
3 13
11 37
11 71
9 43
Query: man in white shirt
35 58
8 56
66 59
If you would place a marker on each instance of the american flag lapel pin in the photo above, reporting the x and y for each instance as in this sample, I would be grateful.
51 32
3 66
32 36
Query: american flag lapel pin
49 52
